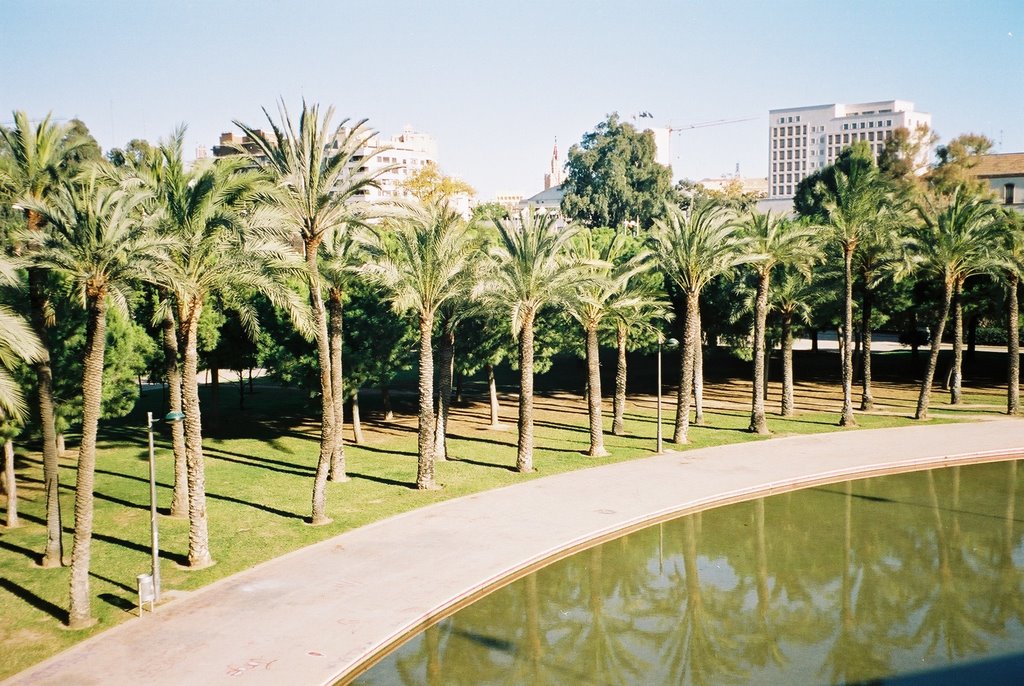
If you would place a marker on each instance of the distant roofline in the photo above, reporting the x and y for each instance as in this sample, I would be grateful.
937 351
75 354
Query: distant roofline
857 105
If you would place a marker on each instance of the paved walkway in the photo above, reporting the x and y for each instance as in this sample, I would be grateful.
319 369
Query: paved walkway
315 614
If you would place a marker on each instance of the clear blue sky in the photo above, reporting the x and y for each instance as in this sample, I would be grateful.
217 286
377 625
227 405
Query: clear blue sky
496 82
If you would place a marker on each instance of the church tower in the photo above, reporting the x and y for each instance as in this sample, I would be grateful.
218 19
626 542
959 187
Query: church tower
556 173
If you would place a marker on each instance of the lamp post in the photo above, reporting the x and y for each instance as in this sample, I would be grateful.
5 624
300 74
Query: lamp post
670 344
154 535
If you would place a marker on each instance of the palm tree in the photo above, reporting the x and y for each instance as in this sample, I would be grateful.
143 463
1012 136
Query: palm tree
422 260
529 267
36 159
610 269
774 241
18 343
956 239
695 247
792 297
854 205
222 245
317 173
1013 254
635 307
881 255
95 238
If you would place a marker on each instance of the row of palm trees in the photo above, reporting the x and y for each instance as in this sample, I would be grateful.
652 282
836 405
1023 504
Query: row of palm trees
284 221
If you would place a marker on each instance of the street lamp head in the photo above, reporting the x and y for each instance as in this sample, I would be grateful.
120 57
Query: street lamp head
174 416
671 343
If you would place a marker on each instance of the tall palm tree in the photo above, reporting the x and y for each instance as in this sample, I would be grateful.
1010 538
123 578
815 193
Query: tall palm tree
792 297
340 259
693 248
1013 256
637 309
317 171
528 268
774 241
96 239
422 260
610 267
36 160
222 244
957 239
882 255
854 204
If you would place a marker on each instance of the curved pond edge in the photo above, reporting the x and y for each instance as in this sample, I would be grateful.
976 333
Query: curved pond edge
325 613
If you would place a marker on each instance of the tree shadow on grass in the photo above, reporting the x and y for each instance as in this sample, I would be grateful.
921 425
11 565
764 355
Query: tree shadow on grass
30 554
250 461
382 451
124 587
41 604
478 463
382 479
266 508
139 547
479 439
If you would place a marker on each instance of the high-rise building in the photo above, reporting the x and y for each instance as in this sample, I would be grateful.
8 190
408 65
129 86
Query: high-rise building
802 140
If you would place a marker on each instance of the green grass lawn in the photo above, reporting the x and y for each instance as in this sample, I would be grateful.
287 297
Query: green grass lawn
259 478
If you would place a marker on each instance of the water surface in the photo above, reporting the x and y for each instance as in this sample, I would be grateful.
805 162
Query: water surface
915 578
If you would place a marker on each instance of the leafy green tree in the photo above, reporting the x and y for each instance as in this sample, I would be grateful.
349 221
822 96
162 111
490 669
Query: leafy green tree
814 189
422 260
694 247
957 239
774 241
613 180
430 185
528 268
33 162
956 159
95 239
316 175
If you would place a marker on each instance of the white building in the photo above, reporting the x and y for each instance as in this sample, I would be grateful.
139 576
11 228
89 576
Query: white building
408 152
802 140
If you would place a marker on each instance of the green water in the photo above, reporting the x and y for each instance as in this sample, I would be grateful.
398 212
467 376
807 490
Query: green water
913 578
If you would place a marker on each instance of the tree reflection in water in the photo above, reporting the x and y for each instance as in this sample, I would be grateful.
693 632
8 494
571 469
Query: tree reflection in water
844 584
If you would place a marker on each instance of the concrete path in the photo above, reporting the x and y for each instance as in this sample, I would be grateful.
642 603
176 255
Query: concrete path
316 614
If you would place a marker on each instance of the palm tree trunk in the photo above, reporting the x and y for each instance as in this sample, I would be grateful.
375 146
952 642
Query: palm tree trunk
955 386
524 448
425 441
337 470
492 389
1013 349
357 424
619 410
594 393
446 373
385 401
11 486
682 426
933 357
698 370
172 371
846 419
758 422
198 531
80 610
327 424
53 553
787 364
867 401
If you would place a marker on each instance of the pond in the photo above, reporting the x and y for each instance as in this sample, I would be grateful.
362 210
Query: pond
909 578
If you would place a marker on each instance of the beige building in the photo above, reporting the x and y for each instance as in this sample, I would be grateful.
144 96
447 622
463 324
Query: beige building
1005 176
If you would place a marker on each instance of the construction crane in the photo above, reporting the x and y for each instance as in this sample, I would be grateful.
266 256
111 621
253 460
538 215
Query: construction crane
687 127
